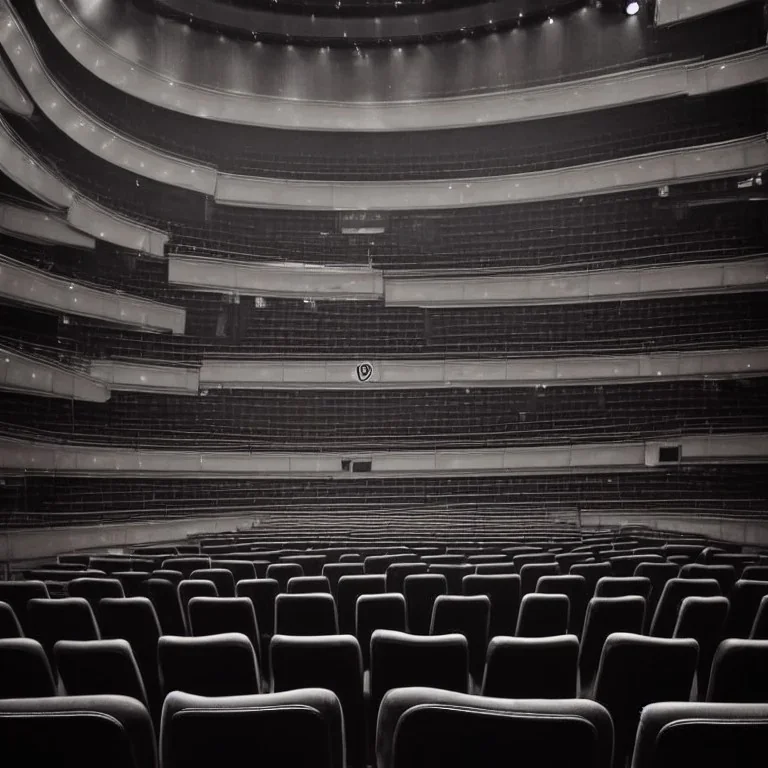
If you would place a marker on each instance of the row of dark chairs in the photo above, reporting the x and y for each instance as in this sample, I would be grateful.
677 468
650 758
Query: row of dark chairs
228 664
417 728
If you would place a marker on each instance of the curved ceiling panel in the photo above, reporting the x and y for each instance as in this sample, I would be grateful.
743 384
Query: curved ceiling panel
149 49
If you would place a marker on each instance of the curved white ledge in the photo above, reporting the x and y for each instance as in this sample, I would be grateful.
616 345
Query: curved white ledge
674 11
20 164
568 287
164 90
281 280
432 374
138 377
41 227
17 163
18 456
12 96
88 132
90 217
26 285
29 374
641 171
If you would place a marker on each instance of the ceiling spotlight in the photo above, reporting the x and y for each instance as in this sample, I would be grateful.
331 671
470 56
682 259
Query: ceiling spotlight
632 8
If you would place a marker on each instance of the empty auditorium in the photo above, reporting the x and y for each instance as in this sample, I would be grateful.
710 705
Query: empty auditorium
383 383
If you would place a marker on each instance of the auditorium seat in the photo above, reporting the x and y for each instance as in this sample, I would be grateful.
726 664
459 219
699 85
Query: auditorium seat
311 564
331 662
673 594
281 572
94 589
303 584
443 559
83 731
606 615
745 600
703 619
428 728
503 590
468 616
215 665
25 670
421 590
454 573
134 583
69 618
575 588
724 575
307 614
164 595
759 629
592 573
739 672
219 615
532 667
543 615
334 571
187 565
480 558
396 573
221 577
134 619
400 660
755 573
302 728
567 559
372 612
658 574
625 565
349 589
240 569
738 560
623 586
9 624
495 569
635 671
175 577
262 593
18 593
189 588
90 667
532 572
702 734
532 559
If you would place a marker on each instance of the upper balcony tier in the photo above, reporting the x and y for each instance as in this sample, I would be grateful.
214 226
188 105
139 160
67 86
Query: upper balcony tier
168 62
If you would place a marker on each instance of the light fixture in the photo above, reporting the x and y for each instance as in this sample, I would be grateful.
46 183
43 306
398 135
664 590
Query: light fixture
632 8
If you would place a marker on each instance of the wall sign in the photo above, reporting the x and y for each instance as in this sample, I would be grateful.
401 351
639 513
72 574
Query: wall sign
364 372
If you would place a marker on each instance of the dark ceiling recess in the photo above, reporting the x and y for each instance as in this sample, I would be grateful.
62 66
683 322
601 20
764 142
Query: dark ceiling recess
378 7
361 22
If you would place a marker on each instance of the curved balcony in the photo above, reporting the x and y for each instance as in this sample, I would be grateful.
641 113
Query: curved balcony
180 68
368 331
369 420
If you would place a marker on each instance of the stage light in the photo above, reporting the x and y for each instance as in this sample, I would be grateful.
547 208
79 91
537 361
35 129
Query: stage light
632 8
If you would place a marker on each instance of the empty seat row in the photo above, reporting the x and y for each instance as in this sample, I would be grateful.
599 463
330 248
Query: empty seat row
633 671
417 728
